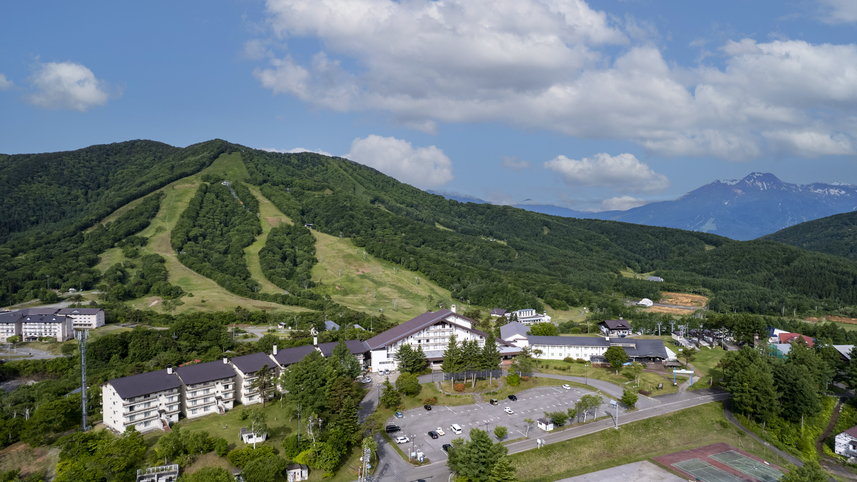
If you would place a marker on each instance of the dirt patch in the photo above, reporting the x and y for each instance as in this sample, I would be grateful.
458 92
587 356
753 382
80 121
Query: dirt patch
22 456
274 222
838 319
664 309
683 299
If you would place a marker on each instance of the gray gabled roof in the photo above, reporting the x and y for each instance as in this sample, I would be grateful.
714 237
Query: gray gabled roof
44 319
407 328
205 372
568 340
145 383
79 311
499 312
331 326
616 324
354 346
253 362
38 311
290 356
11 317
513 328
647 349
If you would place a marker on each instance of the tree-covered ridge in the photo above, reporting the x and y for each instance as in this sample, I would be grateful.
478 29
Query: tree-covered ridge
211 235
836 235
70 261
77 189
287 258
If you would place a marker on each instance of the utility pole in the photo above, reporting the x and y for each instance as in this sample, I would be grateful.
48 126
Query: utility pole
659 328
299 428
81 336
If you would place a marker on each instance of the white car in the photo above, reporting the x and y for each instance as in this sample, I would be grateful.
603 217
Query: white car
508 410
440 431
402 440
567 386
456 429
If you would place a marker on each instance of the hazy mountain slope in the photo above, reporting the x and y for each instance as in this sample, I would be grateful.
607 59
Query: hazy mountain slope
836 235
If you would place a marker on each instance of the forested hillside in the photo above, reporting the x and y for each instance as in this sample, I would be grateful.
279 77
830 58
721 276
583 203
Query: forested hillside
835 235
483 254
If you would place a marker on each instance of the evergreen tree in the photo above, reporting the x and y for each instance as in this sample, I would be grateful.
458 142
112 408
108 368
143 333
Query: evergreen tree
475 458
389 396
810 472
491 358
343 362
798 396
471 356
452 359
503 471
263 384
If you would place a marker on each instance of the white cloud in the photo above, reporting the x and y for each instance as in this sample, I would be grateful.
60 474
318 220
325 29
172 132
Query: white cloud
621 203
422 167
5 83
550 64
296 150
621 173
67 85
838 11
514 164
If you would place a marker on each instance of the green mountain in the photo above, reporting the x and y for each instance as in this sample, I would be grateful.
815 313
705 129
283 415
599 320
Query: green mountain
482 254
836 235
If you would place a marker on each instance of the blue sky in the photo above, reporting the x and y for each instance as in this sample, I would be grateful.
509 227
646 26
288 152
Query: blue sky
595 105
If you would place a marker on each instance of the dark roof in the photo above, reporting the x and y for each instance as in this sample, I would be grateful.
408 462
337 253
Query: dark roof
145 383
253 362
39 311
330 326
498 311
646 349
13 317
568 340
80 311
290 356
44 319
205 372
354 346
852 432
616 324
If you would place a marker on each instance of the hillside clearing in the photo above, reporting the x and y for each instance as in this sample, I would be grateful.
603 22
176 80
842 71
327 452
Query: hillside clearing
684 299
270 217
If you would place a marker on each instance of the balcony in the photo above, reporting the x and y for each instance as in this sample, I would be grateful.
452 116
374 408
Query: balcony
136 400
127 421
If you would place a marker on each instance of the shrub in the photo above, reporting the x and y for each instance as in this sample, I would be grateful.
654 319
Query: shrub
221 446
241 457
430 401
525 378
458 387
244 414
644 392
290 446
514 379
568 359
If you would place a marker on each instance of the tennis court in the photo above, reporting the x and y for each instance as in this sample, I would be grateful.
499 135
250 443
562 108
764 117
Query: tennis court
748 466
705 471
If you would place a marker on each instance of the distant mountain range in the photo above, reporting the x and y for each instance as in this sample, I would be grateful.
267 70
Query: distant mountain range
749 208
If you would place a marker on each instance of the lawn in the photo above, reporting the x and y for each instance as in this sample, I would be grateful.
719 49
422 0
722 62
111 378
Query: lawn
270 217
481 385
705 367
648 381
365 283
690 428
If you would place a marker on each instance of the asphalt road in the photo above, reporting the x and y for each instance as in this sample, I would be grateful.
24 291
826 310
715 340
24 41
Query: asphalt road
393 468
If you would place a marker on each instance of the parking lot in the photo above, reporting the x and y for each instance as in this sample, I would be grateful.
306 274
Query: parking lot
531 403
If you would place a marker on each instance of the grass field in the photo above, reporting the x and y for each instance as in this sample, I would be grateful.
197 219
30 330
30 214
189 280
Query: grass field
705 365
270 217
648 381
369 284
690 428
428 390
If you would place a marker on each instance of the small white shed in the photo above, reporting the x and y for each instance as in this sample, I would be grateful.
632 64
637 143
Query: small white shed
249 437
546 425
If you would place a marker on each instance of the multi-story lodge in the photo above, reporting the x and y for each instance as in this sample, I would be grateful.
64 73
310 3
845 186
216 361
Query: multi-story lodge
146 401
431 331
82 318
529 316
207 388
34 323
247 369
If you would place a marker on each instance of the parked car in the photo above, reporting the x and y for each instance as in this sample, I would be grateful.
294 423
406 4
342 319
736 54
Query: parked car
567 386
456 429
427 407
440 431
387 371
402 440
392 428
493 401
433 434
446 447
399 415
513 398
508 410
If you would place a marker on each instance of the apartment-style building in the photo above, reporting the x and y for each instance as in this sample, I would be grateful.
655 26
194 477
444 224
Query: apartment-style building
247 369
84 318
147 401
10 325
36 324
207 388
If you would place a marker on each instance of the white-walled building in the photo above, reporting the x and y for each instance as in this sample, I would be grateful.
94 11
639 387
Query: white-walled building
207 388
82 318
10 325
147 401
529 316
35 326
247 368
587 347
515 333
431 331
845 443
618 327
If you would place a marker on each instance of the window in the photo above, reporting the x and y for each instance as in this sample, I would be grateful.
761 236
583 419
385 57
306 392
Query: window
207 407
194 410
